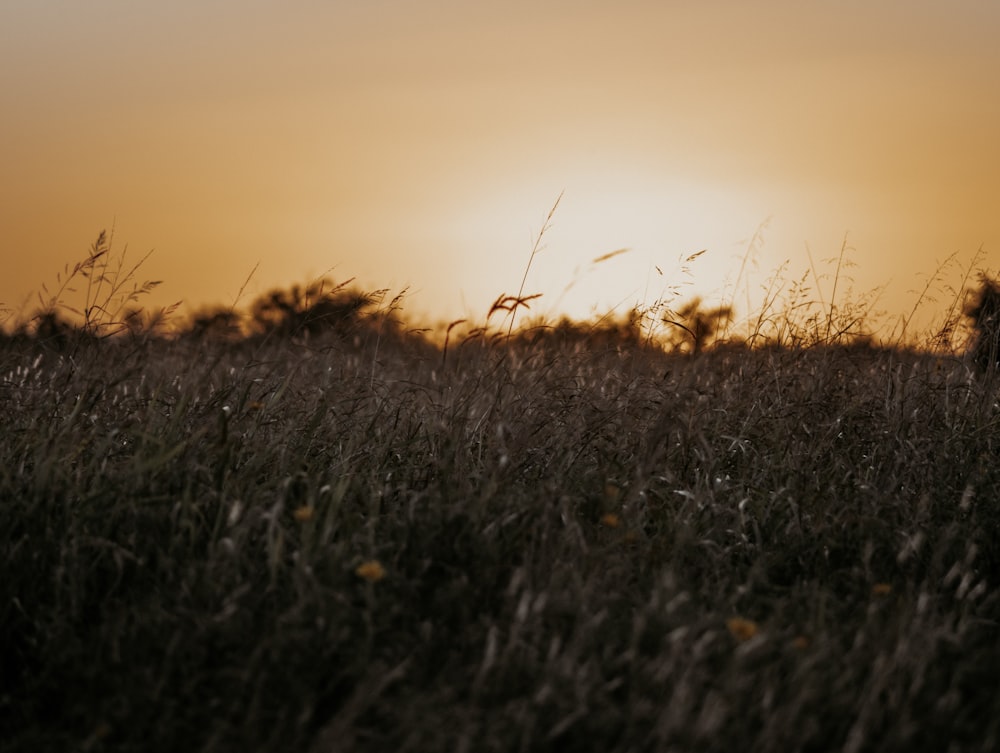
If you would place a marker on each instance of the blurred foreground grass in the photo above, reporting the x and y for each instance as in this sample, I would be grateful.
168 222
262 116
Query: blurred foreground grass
564 544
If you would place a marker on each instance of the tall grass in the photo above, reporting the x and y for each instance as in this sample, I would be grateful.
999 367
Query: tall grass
551 539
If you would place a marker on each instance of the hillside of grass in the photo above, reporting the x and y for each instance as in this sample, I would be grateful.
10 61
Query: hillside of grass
349 537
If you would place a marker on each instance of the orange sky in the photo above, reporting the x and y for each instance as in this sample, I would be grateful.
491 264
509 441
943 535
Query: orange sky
422 143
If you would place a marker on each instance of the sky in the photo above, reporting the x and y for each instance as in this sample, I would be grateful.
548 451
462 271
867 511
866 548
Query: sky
421 145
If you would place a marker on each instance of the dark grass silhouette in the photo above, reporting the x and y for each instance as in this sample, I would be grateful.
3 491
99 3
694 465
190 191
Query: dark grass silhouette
565 537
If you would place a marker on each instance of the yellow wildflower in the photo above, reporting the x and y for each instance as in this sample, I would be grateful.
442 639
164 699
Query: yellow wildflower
370 570
610 520
741 629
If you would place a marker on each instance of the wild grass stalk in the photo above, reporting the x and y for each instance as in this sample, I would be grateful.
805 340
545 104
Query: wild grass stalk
536 248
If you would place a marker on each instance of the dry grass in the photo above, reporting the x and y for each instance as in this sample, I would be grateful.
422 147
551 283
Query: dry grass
342 540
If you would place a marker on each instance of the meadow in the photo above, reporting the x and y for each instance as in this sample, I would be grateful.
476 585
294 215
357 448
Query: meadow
311 528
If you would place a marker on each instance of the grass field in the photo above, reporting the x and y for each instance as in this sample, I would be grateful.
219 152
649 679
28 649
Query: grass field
346 539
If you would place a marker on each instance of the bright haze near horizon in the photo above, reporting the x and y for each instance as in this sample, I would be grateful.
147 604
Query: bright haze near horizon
422 144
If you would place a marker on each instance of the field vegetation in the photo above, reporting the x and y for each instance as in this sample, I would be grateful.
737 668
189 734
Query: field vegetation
303 525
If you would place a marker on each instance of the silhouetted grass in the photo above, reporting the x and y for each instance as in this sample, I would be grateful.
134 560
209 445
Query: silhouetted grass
552 538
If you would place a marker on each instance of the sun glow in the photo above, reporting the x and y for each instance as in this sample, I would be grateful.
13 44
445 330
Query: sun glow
655 224
422 148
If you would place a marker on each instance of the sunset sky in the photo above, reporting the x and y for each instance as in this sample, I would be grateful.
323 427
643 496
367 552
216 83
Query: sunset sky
422 143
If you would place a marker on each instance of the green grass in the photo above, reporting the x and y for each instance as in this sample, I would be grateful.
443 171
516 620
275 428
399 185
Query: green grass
584 543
